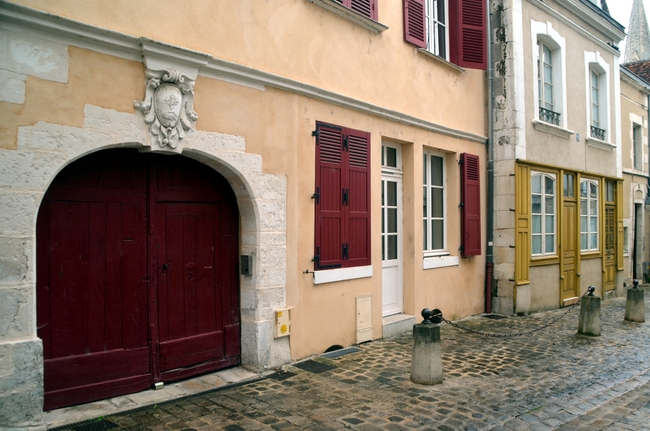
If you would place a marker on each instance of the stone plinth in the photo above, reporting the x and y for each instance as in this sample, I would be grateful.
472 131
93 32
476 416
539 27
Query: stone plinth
635 307
589 316
426 362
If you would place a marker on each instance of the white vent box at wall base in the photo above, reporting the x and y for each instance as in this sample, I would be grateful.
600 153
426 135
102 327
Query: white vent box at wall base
282 323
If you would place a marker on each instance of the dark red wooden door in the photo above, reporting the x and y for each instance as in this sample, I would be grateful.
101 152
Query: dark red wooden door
100 289
194 254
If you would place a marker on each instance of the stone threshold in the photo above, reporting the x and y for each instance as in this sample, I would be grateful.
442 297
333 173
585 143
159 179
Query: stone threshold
170 391
397 324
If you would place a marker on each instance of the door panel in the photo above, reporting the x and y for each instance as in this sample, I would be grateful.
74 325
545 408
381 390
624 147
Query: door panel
609 276
111 253
569 280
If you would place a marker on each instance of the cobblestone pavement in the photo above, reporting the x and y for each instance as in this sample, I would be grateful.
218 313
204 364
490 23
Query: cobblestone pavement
551 379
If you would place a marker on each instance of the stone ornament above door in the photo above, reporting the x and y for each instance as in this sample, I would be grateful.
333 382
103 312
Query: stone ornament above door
168 108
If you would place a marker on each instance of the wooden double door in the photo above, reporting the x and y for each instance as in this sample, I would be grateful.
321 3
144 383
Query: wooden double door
137 275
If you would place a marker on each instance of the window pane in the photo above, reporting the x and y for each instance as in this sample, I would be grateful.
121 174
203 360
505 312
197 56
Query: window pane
550 244
550 224
593 191
593 224
436 171
536 204
536 184
437 207
537 244
550 205
594 241
583 241
549 185
392 220
442 41
548 96
437 234
391 157
424 202
593 209
392 193
583 223
583 189
440 9
537 224
583 207
424 171
392 247
568 186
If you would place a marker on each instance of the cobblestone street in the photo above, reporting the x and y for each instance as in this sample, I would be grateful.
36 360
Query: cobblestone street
550 379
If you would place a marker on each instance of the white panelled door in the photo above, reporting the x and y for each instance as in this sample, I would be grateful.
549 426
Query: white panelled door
391 231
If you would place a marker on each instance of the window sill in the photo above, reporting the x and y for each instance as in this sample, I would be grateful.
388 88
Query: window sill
543 126
348 13
440 60
601 145
541 261
439 262
341 274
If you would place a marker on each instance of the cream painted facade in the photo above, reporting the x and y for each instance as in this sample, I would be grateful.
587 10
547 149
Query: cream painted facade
544 255
635 93
72 71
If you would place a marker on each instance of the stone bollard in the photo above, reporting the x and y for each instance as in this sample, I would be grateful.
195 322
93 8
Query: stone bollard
590 314
426 361
635 307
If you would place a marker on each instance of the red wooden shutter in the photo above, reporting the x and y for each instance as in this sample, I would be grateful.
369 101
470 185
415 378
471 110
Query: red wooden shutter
415 23
468 33
329 186
365 7
470 205
357 234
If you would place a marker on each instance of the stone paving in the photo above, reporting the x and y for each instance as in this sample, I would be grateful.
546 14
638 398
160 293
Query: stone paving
551 379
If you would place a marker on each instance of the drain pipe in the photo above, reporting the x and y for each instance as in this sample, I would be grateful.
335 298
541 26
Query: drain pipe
489 258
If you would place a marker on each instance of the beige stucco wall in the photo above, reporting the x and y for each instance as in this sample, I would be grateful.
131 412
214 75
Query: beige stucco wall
77 100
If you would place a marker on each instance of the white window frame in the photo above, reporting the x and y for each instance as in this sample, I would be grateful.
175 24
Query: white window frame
586 206
544 234
544 33
595 63
427 218
433 23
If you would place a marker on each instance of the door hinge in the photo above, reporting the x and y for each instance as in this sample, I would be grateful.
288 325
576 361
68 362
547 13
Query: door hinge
316 195
316 258
345 143
346 197
315 133
344 251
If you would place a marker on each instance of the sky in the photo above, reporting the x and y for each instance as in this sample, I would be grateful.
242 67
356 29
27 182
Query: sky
620 10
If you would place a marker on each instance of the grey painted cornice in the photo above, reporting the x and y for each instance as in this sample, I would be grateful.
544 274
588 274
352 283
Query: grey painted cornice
634 80
598 22
22 19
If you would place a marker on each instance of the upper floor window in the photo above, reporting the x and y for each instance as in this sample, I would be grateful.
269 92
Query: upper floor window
433 206
545 84
543 212
454 30
637 147
589 215
437 28
598 94
548 62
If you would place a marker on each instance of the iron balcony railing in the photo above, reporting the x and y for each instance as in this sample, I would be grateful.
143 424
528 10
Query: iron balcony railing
549 116
597 133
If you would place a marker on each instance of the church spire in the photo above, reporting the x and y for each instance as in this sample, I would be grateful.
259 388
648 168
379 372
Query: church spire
637 44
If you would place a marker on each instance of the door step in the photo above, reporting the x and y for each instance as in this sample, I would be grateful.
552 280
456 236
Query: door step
397 324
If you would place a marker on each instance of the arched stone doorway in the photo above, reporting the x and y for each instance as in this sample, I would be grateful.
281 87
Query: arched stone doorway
137 278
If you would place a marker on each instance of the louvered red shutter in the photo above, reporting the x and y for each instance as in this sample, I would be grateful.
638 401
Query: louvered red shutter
329 183
468 33
415 23
470 205
357 236
366 8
